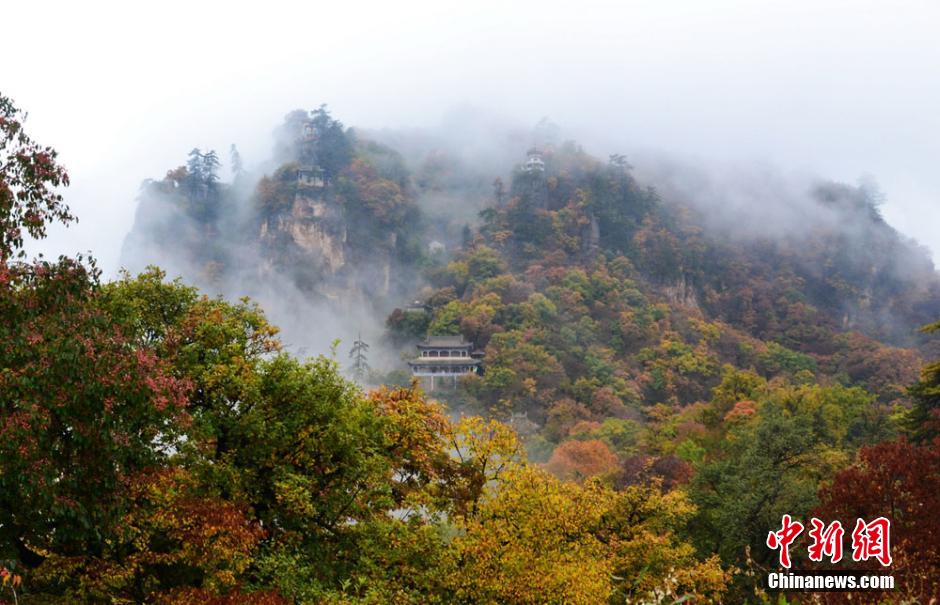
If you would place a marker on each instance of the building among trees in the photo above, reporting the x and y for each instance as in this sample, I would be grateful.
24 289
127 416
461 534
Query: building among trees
534 161
443 357
310 176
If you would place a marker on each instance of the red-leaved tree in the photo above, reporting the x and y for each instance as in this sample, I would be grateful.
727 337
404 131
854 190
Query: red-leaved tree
82 408
900 481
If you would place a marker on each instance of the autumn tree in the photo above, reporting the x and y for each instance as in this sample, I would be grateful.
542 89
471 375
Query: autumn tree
29 175
83 409
536 539
771 461
532 542
579 460
900 481
174 539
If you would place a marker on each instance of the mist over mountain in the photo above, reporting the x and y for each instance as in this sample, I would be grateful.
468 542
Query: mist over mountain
588 303
341 226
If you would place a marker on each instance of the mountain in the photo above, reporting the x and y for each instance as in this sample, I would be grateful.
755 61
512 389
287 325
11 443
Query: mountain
666 380
606 277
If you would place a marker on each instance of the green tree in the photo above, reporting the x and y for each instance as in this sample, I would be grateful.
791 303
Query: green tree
210 168
194 167
334 144
82 408
771 459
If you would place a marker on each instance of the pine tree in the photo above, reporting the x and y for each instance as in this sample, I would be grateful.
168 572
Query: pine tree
235 161
499 191
358 352
210 167
619 161
194 165
194 176
466 237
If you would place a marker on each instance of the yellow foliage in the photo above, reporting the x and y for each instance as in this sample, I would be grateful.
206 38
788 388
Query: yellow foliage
531 543
536 539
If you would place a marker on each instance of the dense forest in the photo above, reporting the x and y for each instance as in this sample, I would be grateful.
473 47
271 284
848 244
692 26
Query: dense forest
659 388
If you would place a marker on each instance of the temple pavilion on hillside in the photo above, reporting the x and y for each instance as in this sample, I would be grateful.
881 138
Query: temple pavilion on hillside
310 176
445 357
534 161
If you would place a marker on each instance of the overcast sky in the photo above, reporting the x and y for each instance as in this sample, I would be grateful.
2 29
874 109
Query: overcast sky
840 88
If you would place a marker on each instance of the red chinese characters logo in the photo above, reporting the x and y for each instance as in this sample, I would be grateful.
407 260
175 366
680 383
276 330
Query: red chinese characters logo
872 540
784 538
827 541
869 540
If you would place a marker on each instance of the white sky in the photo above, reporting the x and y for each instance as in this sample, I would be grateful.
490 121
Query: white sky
841 88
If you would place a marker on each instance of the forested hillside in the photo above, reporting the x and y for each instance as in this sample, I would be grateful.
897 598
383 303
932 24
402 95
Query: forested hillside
658 388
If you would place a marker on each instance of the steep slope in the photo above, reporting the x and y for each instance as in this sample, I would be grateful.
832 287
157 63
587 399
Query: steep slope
621 287
580 279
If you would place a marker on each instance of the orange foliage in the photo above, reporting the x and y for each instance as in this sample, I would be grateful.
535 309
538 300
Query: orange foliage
414 430
578 460
742 409
172 527
205 597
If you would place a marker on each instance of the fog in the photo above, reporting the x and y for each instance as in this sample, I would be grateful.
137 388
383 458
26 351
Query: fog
838 89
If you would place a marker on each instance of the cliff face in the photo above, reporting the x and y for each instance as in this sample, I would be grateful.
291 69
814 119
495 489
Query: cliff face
355 235
313 229
319 231
178 227
335 220
311 238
